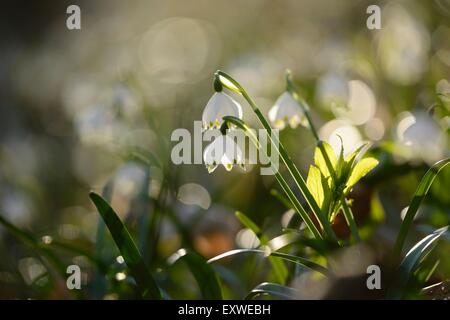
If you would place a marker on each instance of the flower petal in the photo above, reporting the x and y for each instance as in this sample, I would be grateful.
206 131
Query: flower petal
286 111
219 106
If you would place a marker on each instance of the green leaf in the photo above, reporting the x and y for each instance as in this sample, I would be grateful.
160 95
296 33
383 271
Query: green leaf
411 261
419 195
99 282
30 240
288 257
203 273
57 244
283 240
278 266
246 221
340 165
321 162
350 159
130 253
360 170
282 198
314 183
424 273
377 211
350 219
319 187
273 289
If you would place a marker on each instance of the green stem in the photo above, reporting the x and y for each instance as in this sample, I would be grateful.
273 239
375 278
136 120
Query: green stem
349 217
348 214
295 173
297 206
305 107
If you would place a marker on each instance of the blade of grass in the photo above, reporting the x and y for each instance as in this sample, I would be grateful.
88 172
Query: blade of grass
348 214
282 198
274 290
283 240
99 285
144 280
419 195
57 244
411 261
426 275
42 250
278 266
288 257
247 222
142 207
203 273
438 291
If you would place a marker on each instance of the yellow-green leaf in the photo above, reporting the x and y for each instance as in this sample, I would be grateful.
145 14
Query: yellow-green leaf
359 171
319 160
314 183
352 156
350 160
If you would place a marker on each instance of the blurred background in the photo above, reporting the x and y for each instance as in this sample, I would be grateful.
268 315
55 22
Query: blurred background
94 109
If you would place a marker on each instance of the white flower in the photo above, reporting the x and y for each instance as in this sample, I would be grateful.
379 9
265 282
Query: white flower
422 137
286 111
223 150
219 106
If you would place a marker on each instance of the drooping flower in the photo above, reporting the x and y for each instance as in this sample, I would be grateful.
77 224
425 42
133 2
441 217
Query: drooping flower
219 106
286 111
223 150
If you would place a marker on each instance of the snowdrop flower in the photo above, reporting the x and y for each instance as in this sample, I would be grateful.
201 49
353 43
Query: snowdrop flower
422 136
286 110
218 106
223 150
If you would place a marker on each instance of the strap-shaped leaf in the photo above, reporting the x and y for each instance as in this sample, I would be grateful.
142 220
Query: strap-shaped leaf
411 261
294 259
130 253
419 195
278 266
246 221
273 289
30 240
203 273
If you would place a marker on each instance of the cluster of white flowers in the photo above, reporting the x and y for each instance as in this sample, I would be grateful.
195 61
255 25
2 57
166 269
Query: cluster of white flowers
224 150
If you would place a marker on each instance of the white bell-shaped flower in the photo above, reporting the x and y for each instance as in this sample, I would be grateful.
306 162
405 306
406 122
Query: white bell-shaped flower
219 106
286 111
223 150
